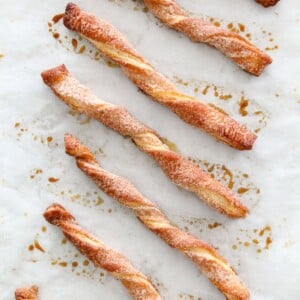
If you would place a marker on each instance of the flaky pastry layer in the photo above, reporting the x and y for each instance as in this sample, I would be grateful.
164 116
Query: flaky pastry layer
137 284
115 46
179 169
215 267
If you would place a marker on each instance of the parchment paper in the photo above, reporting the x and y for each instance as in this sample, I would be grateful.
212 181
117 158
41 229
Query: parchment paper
263 248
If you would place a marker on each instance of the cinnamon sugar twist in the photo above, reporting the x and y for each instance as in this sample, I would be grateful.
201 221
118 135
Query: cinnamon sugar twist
267 3
27 293
215 267
115 46
234 46
137 284
180 170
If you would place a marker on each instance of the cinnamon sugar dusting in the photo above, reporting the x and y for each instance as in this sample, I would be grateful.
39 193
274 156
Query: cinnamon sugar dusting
55 35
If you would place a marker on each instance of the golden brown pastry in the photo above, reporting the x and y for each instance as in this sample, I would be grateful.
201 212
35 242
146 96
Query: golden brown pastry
115 46
27 293
137 284
214 266
180 170
267 3
234 46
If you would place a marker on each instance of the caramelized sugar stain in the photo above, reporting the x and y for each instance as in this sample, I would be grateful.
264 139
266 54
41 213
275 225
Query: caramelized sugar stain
221 99
242 30
57 18
22 130
260 239
201 224
184 296
73 261
53 179
88 199
49 139
133 5
236 180
35 172
74 43
214 225
36 245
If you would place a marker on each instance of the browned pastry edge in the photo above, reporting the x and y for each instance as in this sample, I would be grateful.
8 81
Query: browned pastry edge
137 284
27 293
179 169
114 45
214 266
267 3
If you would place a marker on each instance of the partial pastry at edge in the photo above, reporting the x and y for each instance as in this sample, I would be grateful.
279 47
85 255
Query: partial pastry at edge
137 284
115 46
238 49
30 293
267 3
210 263
179 169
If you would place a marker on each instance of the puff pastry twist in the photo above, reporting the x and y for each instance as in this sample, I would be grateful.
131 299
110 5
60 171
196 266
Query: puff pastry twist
137 284
115 46
215 267
180 170
267 3
27 293
234 46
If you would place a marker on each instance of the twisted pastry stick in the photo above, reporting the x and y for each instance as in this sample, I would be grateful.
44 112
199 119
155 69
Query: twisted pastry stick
114 45
137 284
234 46
180 170
27 293
267 3
215 267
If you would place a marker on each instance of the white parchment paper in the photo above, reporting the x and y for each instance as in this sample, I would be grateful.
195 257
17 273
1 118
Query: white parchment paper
263 248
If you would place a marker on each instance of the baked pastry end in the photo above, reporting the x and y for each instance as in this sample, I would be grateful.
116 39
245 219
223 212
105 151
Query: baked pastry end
267 3
54 75
27 293
55 213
